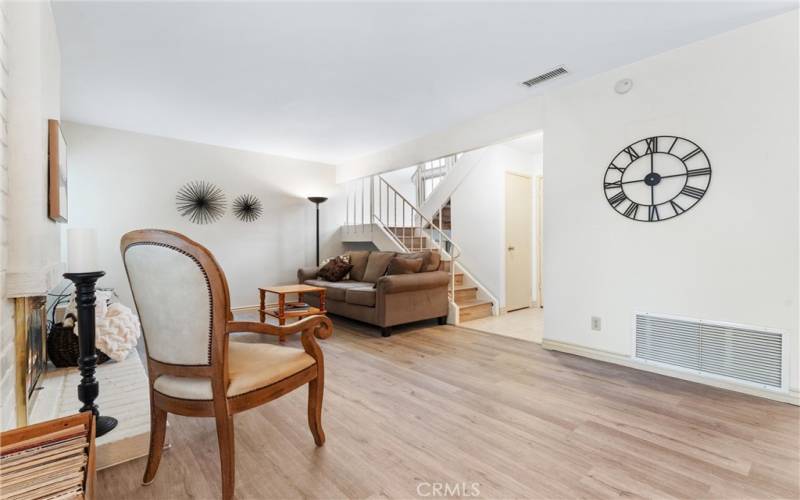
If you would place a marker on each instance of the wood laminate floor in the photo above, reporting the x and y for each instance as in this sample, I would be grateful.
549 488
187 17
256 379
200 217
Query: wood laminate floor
444 405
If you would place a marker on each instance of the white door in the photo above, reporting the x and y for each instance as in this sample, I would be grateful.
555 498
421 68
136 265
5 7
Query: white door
519 241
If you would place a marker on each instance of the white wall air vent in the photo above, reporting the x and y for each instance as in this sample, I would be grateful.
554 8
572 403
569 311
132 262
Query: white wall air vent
545 76
746 354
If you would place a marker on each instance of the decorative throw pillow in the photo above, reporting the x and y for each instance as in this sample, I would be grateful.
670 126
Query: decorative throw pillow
359 260
345 258
334 270
377 264
430 260
401 265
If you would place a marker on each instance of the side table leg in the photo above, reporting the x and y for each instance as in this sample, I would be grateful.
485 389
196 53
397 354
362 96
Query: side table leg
262 302
322 302
281 314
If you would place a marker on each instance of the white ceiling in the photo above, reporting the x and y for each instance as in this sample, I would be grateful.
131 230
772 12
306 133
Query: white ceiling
330 81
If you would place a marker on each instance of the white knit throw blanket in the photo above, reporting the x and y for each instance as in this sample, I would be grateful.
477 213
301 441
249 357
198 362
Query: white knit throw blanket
117 327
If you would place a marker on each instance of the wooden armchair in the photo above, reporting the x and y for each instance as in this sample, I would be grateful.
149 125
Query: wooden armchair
184 305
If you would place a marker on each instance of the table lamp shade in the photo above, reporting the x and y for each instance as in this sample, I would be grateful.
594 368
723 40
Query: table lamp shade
82 250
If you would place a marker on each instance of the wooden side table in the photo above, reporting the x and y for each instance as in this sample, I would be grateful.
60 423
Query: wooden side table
278 310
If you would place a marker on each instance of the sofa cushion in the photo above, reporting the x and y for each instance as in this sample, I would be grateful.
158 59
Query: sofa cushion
433 264
336 290
335 269
403 265
412 282
377 264
430 260
358 258
361 296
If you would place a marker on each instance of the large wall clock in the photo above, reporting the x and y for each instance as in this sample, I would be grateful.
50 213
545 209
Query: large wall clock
657 178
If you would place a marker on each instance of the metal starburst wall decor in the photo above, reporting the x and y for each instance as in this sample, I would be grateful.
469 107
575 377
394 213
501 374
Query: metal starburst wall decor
247 208
201 201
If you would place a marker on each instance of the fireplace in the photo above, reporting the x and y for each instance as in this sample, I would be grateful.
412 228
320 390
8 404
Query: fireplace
31 331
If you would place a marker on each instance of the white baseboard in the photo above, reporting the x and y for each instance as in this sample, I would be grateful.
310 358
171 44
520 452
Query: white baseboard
245 308
791 397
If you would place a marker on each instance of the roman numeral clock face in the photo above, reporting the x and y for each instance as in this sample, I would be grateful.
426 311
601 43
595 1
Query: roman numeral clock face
657 178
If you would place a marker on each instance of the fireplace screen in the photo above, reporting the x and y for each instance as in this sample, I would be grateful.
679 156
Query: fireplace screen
31 352
36 345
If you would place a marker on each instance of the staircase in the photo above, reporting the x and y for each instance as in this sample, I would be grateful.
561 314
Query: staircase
378 213
442 217
465 296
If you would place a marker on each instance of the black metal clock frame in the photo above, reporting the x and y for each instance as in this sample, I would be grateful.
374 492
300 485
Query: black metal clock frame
689 195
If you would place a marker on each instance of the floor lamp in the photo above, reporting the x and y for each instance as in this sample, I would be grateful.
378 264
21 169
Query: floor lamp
317 200
84 273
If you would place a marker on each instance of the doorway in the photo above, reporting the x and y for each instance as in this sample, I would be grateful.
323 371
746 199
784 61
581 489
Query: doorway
519 241
539 239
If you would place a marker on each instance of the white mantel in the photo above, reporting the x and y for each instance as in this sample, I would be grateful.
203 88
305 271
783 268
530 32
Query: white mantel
34 253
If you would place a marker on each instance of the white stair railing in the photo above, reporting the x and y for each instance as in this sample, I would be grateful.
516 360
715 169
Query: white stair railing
372 201
428 175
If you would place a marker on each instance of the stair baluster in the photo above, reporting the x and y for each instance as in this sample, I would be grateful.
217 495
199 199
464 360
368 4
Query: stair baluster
414 233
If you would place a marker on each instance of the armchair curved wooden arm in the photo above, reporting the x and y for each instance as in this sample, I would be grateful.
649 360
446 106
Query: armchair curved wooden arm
195 368
312 326
321 327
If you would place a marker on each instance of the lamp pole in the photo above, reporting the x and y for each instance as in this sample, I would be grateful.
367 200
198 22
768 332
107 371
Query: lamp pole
317 200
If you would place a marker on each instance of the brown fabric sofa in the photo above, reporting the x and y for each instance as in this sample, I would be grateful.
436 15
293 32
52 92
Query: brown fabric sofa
385 301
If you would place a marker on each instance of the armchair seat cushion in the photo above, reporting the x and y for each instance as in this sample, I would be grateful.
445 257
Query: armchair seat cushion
251 366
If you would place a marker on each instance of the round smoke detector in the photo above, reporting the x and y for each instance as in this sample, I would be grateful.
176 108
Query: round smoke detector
623 86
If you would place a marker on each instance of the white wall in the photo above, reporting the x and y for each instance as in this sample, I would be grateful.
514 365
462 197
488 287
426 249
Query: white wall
734 256
400 179
121 181
29 241
7 351
478 215
34 264
499 126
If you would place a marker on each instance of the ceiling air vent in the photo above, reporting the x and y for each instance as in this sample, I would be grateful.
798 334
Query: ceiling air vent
545 76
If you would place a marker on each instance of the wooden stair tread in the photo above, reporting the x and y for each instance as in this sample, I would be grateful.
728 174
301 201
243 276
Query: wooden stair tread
472 309
467 304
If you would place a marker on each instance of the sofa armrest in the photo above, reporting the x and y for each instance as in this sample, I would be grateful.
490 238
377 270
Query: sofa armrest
397 283
306 273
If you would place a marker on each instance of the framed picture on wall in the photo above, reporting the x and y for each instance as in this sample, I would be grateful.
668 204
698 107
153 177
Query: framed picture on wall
57 173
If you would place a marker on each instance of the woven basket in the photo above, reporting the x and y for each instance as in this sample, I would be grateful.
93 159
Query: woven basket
63 349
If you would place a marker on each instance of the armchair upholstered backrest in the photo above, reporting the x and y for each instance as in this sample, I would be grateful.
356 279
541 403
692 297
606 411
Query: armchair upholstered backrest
180 294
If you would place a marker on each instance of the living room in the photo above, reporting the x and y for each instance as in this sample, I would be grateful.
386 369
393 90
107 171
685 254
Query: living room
493 253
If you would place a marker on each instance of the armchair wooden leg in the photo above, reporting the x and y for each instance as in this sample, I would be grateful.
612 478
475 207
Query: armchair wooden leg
158 431
226 454
315 390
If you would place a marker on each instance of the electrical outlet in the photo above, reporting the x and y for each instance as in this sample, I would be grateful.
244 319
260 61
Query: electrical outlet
597 324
